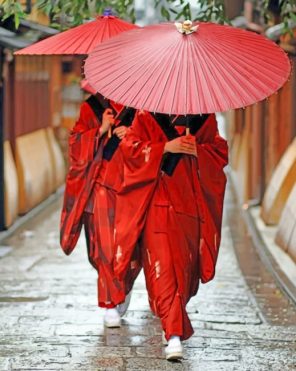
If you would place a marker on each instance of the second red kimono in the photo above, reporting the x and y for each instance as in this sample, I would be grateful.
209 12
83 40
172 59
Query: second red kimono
93 179
173 205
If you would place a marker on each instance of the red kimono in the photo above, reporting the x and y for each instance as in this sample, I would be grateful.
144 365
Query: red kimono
175 209
93 179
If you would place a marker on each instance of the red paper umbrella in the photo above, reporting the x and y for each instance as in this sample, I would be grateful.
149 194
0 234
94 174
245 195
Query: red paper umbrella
84 84
81 39
200 69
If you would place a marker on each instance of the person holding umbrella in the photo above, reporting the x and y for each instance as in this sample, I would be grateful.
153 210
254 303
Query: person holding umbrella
90 197
177 181
174 183
94 174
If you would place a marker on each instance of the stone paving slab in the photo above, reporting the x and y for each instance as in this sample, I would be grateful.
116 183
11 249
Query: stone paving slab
49 319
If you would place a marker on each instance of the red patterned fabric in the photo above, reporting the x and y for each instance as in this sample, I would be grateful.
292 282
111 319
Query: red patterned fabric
90 200
99 231
170 261
178 217
85 161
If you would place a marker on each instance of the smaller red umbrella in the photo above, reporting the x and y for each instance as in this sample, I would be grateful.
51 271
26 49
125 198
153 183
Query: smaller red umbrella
80 40
85 85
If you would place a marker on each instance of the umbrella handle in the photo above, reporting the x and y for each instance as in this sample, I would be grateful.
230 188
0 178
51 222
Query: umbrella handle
110 132
187 126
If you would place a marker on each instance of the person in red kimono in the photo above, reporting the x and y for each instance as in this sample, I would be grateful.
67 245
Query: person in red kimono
90 197
172 202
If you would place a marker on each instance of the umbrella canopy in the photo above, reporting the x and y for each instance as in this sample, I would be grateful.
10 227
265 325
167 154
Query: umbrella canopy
84 84
187 69
81 39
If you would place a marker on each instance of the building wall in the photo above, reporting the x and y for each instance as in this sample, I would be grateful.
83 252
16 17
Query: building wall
262 141
32 112
259 136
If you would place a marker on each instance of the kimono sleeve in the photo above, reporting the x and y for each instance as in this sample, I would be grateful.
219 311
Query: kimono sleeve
82 148
212 155
83 137
212 158
142 153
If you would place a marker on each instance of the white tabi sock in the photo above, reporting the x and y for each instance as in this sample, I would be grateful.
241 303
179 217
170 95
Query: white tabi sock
174 341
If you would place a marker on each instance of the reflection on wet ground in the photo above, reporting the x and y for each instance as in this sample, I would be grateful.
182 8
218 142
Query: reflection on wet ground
49 319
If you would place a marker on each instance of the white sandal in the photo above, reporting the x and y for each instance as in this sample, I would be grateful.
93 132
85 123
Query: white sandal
112 318
174 350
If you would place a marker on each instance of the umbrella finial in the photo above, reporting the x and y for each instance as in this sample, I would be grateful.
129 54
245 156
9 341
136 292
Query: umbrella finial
107 12
186 27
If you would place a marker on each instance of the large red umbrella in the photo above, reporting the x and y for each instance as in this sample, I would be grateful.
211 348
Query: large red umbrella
200 69
81 39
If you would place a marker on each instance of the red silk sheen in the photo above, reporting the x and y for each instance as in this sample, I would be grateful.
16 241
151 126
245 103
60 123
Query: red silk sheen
170 260
196 188
84 168
86 164
90 200
98 223
176 219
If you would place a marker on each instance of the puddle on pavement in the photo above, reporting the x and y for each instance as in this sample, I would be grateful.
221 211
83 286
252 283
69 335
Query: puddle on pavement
4 250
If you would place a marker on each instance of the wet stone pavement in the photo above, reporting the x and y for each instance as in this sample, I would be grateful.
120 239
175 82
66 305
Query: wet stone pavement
49 319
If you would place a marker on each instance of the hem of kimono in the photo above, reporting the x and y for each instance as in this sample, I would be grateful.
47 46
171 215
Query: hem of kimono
182 336
107 306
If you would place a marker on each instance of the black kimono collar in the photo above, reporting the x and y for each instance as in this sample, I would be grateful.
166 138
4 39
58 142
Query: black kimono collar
167 123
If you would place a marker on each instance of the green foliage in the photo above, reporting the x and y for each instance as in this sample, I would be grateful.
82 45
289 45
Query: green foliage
12 8
210 10
288 14
213 10
68 13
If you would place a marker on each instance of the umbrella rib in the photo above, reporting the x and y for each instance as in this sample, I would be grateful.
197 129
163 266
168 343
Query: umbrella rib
203 73
252 52
214 73
149 52
171 110
92 40
143 85
240 61
68 40
105 85
221 88
265 80
127 62
77 40
66 46
264 63
108 30
198 79
168 76
243 35
110 52
236 84
155 109
257 96
121 66
198 86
